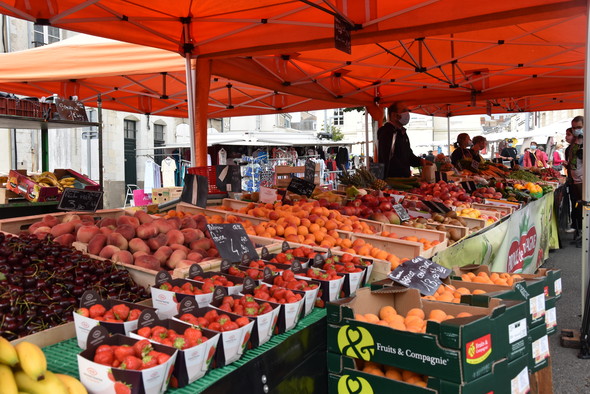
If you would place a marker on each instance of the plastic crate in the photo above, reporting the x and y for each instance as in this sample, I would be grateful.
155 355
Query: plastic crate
211 174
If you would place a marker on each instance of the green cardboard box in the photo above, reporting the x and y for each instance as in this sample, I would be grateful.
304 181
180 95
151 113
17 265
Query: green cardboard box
539 348
345 377
457 350
551 315
553 287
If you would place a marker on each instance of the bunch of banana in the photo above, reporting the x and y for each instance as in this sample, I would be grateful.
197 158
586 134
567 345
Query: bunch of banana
23 369
47 179
67 182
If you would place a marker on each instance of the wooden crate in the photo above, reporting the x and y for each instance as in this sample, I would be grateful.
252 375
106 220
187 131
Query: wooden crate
399 247
6 195
473 223
493 208
16 225
283 174
407 231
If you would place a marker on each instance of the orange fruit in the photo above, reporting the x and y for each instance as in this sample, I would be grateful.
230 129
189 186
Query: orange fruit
437 315
415 312
386 312
371 318
302 230
412 320
396 325
359 317
478 291
393 374
407 375
464 314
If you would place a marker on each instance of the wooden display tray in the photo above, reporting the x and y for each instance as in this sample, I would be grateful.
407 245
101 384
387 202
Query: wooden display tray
399 247
283 174
495 208
6 195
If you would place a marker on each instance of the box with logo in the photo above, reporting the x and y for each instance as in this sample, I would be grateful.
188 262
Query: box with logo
458 350
551 315
539 348
530 290
345 375
84 324
191 363
231 344
99 378
166 301
45 188
553 278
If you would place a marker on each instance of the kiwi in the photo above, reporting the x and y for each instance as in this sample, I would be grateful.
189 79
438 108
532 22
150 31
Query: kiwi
455 222
462 221
455 234
422 220
451 214
440 227
438 217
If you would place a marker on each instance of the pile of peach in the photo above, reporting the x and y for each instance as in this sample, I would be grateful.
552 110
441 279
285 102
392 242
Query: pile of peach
394 373
414 321
427 244
448 293
495 278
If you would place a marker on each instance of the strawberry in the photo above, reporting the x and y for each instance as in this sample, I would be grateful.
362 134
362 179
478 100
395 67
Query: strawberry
96 310
159 332
193 334
149 361
189 318
134 314
123 351
162 358
166 286
180 343
229 326
229 300
83 311
142 348
121 311
131 362
122 388
211 315
242 321
104 358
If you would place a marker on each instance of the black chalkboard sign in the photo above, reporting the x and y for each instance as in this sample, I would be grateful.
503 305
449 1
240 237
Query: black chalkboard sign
79 200
441 176
195 190
341 35
232 242
469 186
420 273
377 169
229 178
70 110
309 173
438 207
401 212
301 186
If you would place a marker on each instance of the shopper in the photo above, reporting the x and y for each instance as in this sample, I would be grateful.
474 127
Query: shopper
393 144
479 144
509 152
430 156
461 149
575 170
534 158
558 160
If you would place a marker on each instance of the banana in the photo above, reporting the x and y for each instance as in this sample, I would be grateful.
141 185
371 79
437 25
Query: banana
68 179
8 385
50 385
73 385
8 353
32 360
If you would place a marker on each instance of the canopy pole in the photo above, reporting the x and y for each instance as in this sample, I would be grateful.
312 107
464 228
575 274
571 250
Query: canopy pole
586 162
190 88
100 147
448 129
367 161
202 82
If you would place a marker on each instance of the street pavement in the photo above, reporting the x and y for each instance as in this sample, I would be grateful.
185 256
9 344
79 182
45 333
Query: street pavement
570 374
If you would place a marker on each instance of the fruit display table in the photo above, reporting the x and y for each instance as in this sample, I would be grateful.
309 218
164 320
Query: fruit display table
291 362
25 208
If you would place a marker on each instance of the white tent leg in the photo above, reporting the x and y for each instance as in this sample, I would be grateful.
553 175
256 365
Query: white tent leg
586 183
367 137
190 95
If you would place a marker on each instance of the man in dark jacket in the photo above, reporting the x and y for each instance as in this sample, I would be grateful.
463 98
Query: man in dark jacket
394 149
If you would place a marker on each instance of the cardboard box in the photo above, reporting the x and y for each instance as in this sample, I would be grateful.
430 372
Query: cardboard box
192 363
506 377
231 344
24 185
166 302
551 315
457 350
98 378
539 348
85 324
309 296
330 290
553 278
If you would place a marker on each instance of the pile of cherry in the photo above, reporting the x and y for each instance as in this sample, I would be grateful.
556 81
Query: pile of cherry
41 282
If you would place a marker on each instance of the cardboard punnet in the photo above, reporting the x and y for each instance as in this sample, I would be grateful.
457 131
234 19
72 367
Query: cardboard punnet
352 280
310 296
551 315
346 376
192 363
264 324
457 350
166 301
196 271
102 379
84 324
329 289
539 348
231 344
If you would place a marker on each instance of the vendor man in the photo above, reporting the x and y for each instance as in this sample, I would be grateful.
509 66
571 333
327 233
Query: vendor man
394 149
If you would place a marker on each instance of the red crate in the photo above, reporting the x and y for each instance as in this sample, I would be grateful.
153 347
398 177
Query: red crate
211 174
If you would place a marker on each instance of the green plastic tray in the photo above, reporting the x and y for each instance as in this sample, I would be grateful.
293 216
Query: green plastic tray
61 357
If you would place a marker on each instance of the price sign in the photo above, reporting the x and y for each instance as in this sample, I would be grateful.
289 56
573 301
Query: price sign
80 200
195 190
70 110
377 169
401 212
469 186
267 195
301 187
341 35
229 178
441 176
420 273
436 206
309 172
232 242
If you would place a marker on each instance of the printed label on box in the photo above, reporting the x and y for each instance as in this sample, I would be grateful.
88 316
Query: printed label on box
520 384
541 349
354 280
478 350
557 287
266 325
310 297
334 288
292 312
551 318
517 330
537 305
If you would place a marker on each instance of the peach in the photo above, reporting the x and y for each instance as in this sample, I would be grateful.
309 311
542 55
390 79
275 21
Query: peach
41 234
87 218
194 256
180 247
157 242
126 230
148 262
65 239
42 229
163 254
213 253
184 263
140 253
77 224
191 234
138 245
69 217
35 226
51 220
85 233
201 221
175 237
188 222
175 222
202 252
163 225
147 231
61 229
202 243
175 257
106 230
107 222
122 256
143 217
108 251
130 220
96 244
118 240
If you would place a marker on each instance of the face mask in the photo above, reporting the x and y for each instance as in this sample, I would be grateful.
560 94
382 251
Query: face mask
470 145
404 118
510 145
533 147
578 132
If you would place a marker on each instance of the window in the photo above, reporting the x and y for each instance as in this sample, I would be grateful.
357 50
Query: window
338 117
130 128
43 35
159 139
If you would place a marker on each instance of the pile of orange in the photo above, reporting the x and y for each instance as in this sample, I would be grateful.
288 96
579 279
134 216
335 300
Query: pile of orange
448 293
427 244
495 278
394 373
414 321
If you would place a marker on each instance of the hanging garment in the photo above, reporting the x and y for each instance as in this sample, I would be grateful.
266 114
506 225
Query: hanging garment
151 176
222 157
168 172
342 158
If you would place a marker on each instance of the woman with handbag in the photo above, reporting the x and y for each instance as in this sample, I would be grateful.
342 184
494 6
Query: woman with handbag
534 158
